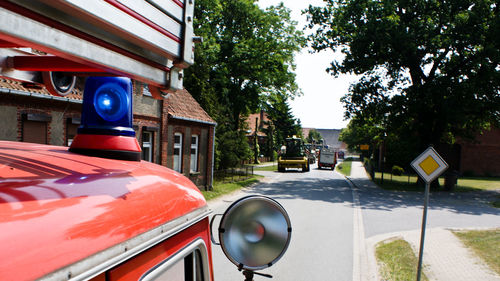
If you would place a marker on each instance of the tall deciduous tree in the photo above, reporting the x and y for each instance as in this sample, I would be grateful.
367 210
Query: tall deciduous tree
430 68
246 58
314 136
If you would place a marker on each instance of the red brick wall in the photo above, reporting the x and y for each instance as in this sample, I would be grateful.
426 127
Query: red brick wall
482 157
25 105
203 179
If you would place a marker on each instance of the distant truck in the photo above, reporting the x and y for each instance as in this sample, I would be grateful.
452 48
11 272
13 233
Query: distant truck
327 158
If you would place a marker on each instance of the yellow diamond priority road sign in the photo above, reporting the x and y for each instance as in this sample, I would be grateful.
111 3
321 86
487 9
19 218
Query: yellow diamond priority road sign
429 165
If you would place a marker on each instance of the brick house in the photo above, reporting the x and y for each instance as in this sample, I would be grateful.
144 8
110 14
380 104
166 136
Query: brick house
263 122
189 133
31 114
482 156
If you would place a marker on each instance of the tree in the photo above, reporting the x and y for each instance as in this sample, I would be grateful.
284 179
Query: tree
284 124
430 68
246 58
314 136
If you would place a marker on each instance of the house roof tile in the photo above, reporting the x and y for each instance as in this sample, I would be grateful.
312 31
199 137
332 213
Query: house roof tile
263 120
182 105
76 94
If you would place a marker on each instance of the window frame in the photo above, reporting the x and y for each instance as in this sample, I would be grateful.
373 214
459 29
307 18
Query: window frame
197 246
196 155
149 144
178 146
71 123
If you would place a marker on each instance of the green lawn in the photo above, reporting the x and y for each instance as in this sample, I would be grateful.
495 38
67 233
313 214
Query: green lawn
485 243
225 188
271 168
397 261
345 167
408 183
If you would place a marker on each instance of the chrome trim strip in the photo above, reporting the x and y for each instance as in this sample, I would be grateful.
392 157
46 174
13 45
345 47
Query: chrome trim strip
164 265
109 258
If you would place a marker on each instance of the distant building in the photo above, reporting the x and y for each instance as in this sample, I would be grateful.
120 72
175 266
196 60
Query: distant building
263 122
330 137
482 156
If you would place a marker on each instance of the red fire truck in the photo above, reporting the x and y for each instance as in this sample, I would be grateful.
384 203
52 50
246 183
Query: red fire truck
95 211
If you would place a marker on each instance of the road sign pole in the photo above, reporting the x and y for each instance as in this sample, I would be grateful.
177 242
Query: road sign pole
422 234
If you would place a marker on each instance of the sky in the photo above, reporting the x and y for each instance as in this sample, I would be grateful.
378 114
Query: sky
319 107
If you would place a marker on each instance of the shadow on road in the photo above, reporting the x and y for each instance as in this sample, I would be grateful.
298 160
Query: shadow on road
474 203
309 188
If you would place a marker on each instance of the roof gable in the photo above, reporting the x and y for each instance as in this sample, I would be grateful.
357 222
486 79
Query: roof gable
181 105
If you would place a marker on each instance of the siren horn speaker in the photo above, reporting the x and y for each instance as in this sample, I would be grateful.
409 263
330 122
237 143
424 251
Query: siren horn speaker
255 232
58 83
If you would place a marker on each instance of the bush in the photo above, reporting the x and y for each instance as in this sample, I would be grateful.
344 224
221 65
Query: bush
397 171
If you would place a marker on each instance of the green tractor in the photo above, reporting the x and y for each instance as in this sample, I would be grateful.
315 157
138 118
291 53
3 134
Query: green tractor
293 155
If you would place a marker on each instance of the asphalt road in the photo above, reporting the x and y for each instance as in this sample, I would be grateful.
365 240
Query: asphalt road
392 211
319 204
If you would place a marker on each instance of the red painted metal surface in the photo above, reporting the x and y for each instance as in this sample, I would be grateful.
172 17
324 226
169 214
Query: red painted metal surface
50 63
57 207
7 44
135 268
106 142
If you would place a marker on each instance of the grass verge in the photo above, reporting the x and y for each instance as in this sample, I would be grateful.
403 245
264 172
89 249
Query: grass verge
409 183
225 188
397 261
345 167
485 244
271 168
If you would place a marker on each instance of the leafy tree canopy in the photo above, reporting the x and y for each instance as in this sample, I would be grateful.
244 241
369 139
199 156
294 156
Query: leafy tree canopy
245 59
314 136
430 68
285 125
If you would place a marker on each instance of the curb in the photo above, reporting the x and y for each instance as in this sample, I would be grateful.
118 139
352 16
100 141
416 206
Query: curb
364 262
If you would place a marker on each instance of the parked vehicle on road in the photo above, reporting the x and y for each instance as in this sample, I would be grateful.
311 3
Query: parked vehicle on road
327 158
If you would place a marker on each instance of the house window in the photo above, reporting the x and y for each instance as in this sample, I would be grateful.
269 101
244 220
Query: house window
35 128
178 152
194 153
147 146
145 90
72 125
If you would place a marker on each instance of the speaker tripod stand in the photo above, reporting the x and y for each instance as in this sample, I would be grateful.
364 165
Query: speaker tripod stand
249 274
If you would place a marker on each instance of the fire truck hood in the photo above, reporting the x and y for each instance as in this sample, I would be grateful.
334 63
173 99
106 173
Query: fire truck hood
57 208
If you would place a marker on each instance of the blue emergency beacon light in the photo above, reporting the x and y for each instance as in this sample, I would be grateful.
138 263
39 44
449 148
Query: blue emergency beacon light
106 129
